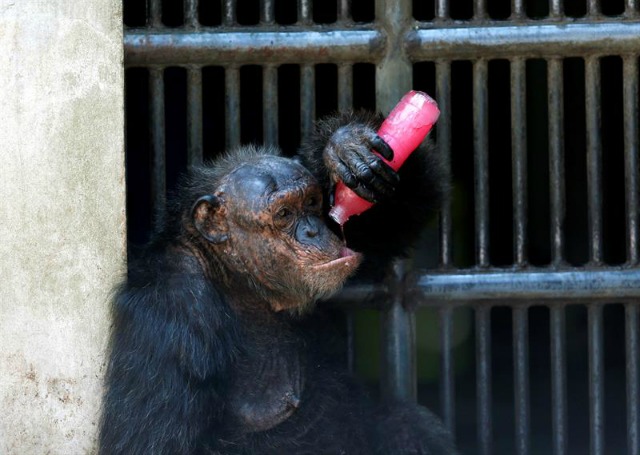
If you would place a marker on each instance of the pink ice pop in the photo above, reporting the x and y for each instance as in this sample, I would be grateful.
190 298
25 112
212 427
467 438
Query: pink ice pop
404 129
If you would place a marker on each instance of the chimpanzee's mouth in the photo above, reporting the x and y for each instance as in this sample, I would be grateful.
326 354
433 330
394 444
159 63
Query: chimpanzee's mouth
348 258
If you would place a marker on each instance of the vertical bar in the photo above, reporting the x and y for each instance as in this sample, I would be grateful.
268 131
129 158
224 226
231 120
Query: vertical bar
593 8
481 161
483 379
594 157
556 9
307 99
632 185
232 107
194 116
443 95
556 157
447 370
442 9
270 104
345 87
479 9
517 9
191 13
267 12
519 163
633 398
344 12
398 343
155 13
305 11
156 129
521 376
596 380
630 8
393 79
558 380
398 378
229 12
394 74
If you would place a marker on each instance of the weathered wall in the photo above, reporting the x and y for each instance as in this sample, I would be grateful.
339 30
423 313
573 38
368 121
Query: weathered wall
62 229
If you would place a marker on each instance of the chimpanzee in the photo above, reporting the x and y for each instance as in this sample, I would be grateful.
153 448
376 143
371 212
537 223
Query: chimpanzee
216 342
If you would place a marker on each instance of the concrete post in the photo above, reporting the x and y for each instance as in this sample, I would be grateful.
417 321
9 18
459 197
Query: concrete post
62 221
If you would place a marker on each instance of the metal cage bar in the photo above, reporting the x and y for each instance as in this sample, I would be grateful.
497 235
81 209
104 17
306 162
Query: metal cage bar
398 332
521 379
633 396
596 380
594 157
532 40
194 116
232 106
307 99
559 414
447 370
270 104
157 140
517 9
632 183
519 160
442 9
556 157
556 8
267 12
481 161
229 12
443 95
305 11
393 80
155 13
480 9
344 11
483 380
191 13
345 86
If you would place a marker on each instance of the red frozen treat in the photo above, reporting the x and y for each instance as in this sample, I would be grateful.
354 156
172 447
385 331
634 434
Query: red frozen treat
404 130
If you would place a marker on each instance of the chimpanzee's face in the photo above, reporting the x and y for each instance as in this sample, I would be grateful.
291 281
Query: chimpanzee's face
271 215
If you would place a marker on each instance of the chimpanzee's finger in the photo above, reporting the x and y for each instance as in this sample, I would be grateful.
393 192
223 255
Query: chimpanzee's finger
381 146
366 193
345 174
366 176
381 169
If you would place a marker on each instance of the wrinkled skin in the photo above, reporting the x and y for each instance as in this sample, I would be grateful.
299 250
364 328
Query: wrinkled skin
217 343
278 201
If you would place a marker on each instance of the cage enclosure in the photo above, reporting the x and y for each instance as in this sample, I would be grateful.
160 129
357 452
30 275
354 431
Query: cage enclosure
516 319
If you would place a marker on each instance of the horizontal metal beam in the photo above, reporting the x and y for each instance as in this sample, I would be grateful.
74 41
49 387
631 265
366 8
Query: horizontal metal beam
224 47
524 40
529 286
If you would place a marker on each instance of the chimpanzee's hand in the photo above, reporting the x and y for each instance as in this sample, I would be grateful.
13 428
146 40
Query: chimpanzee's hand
348 157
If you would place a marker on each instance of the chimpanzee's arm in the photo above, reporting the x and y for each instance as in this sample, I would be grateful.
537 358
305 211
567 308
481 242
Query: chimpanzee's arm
172 344
394 223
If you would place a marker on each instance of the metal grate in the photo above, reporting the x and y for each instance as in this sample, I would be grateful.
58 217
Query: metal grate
536 257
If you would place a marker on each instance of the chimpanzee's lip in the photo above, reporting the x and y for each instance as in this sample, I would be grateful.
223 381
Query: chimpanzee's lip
348 258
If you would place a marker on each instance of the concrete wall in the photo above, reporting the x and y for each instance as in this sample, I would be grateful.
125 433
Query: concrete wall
62 222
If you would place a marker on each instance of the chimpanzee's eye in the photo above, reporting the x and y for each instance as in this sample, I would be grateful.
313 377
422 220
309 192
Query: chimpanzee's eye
284 213
313 202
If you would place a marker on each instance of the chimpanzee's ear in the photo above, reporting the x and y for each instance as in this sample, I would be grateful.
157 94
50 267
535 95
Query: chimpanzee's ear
208 216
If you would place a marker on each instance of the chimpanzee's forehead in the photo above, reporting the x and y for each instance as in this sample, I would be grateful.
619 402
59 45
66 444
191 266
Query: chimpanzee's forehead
255 181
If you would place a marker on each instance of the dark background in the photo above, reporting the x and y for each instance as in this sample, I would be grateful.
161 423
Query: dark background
501 212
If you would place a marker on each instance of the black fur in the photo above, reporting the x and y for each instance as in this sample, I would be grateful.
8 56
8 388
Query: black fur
179 348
